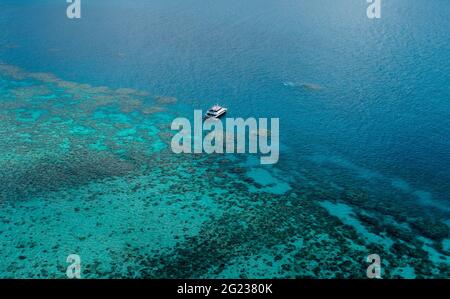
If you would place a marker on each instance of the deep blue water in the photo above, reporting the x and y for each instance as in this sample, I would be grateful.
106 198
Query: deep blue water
385 98
367 96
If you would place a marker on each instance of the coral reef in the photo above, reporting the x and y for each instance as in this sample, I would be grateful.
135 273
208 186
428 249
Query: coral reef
88 170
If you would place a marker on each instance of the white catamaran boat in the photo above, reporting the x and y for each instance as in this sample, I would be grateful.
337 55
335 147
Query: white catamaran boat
215 111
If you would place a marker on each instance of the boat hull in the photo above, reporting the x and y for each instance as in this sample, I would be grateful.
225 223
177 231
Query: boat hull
216 116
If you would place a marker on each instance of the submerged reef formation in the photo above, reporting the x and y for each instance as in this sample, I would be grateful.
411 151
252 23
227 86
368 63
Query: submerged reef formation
303 86
88 170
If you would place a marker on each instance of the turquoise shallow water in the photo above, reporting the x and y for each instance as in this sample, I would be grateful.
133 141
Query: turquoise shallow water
85 160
